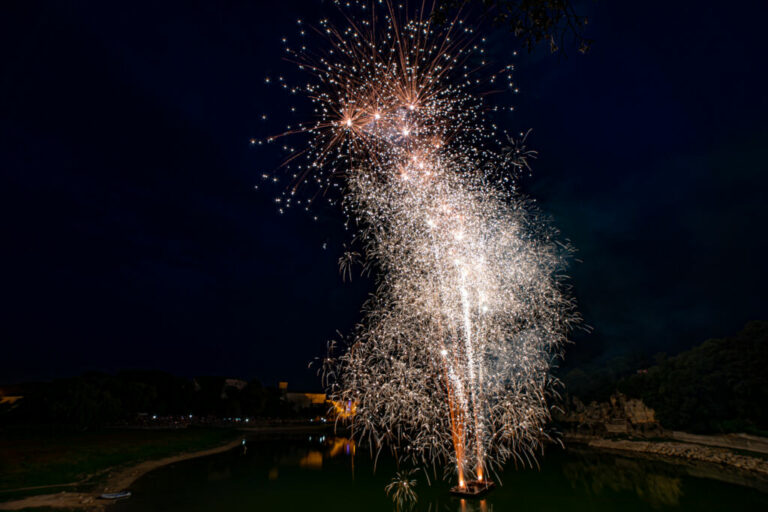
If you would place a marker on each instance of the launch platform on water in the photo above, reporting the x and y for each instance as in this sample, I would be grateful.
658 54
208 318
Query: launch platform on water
473 489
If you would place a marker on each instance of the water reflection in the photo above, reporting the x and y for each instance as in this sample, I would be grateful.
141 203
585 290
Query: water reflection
453 505
474 506
312 458
288 472
590 473
342 446
651 482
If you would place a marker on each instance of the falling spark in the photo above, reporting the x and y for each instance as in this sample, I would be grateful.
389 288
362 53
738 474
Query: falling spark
450 366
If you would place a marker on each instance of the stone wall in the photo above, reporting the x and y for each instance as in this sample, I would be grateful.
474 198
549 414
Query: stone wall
743 442
619 415
685 451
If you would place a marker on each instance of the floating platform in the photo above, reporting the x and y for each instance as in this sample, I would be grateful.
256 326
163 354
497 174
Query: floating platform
473 489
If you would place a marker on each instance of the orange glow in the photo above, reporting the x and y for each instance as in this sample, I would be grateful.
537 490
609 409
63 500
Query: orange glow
342 445
464 266
313 460
344 410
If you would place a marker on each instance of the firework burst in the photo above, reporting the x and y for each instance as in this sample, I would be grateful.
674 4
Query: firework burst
450 366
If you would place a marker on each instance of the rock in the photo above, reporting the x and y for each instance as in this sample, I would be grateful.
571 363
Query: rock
618 416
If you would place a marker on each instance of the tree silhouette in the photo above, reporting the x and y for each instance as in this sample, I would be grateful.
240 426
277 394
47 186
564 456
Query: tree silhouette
553 22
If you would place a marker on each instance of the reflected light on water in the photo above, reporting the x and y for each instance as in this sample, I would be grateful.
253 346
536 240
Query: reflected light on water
650 483
342 445
270 475
474 506
312 460
313 457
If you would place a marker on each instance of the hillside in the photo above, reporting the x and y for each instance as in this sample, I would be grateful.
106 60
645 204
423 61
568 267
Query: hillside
719 386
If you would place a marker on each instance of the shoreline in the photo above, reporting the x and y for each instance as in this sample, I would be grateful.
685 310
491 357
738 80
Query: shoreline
122 478
119 480
669 450
751 470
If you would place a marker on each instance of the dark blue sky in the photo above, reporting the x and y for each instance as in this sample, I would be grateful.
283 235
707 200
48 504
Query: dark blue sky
133 237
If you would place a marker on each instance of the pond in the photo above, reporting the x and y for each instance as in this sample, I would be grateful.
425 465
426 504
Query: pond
319 473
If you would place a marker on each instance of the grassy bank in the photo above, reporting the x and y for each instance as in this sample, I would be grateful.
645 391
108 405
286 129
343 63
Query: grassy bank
44 461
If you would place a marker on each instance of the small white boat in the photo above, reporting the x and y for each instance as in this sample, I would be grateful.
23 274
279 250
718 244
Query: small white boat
116 495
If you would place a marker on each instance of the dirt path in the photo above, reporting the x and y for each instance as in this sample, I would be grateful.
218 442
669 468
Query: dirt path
117 481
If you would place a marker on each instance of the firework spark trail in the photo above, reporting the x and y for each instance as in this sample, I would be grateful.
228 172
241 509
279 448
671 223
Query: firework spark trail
451 363
463 294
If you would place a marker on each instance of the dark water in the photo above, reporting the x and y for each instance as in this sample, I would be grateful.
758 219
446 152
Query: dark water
286 474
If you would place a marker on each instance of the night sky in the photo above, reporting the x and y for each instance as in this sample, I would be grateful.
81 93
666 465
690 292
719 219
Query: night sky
133 237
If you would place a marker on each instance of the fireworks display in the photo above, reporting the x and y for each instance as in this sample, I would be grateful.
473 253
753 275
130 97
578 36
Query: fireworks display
450 366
